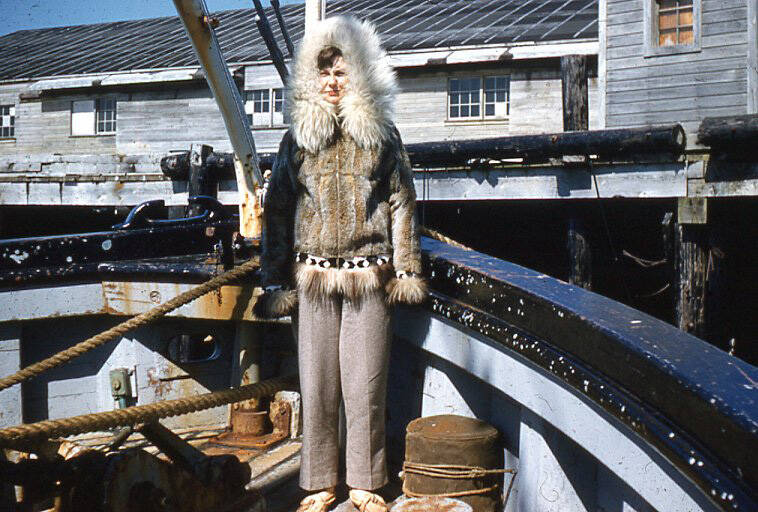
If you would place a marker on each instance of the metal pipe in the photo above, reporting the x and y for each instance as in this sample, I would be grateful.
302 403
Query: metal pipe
315 10
199 26
261 20
283 28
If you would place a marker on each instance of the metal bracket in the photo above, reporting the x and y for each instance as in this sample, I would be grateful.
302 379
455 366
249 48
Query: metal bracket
121 388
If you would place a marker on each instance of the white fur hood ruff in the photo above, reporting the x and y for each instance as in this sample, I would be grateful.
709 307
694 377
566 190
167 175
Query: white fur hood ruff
366 110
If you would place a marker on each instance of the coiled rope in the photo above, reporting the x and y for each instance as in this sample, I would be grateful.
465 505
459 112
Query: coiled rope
450 471
10 437
118 331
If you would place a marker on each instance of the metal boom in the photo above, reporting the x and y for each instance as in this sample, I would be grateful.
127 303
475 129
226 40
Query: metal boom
199 26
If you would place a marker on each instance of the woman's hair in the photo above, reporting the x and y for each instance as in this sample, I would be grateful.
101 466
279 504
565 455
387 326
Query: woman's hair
326 56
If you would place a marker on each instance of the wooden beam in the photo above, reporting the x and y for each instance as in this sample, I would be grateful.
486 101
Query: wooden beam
576 117
635 181
616 144
740 132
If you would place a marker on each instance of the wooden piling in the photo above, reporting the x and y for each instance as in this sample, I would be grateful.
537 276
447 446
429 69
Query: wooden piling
575 118
692 263
580 254
700 276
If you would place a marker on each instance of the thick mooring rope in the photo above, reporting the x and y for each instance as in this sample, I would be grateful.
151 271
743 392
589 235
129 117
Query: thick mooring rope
442 238
118 331
31 432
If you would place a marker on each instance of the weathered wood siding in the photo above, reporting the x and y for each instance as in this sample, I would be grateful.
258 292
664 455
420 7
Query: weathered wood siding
160 121
683 87
9 96
45 127
421 108
535 105
155 121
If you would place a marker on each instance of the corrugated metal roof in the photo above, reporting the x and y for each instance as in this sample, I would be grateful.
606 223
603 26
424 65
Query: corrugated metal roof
404 25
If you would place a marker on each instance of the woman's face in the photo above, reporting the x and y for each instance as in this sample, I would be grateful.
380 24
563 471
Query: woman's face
333 81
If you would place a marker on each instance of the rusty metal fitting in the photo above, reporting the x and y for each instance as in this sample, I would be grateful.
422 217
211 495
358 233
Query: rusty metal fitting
211 21
257 429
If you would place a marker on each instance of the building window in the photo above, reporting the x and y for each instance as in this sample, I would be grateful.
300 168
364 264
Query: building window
672 26
465 97
675 22
278 113
7 121
106 115
496 96
265 107
93 117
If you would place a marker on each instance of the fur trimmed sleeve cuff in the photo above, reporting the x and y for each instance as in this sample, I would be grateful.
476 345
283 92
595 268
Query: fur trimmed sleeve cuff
275 303
410 290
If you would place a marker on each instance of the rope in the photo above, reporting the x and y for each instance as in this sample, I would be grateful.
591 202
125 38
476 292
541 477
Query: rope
442 238
450 471
456 494
10 437
118 331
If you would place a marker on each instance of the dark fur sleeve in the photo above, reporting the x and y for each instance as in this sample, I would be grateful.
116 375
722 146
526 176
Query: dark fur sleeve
405 229
279 214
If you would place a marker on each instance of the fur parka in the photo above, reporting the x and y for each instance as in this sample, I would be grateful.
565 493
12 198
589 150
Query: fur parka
342 185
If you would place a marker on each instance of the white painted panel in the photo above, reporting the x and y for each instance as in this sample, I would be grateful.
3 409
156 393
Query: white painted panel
437 385
83 117
550 465
36 303
10 362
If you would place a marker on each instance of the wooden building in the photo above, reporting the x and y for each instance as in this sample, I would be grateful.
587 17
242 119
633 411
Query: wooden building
677 61
116 97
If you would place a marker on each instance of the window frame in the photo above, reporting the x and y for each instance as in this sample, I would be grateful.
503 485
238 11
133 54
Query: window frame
271 102
482 117
12 121
652 32
97 109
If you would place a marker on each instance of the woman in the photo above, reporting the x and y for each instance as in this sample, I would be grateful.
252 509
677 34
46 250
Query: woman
340 218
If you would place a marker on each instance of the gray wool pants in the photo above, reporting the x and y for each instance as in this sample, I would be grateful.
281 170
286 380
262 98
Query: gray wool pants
343 352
